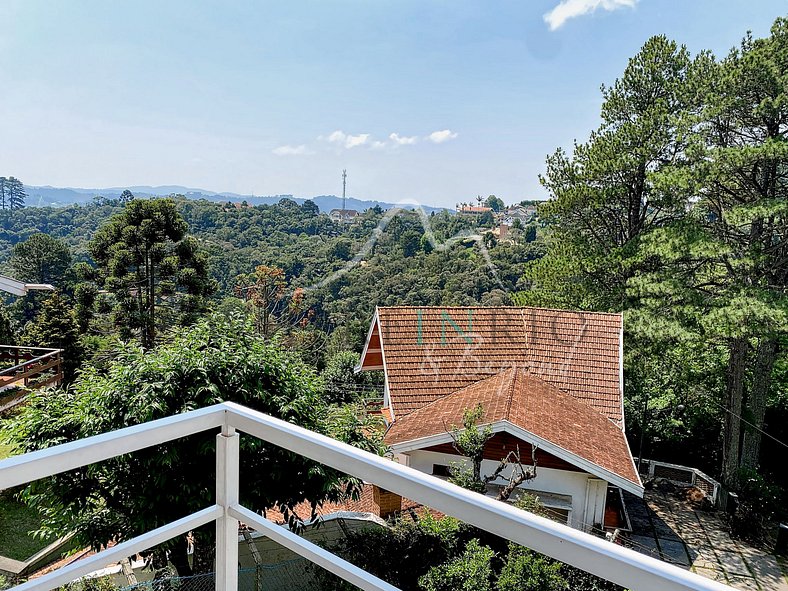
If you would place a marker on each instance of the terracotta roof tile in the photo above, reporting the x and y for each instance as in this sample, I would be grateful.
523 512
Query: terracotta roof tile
431 352
530 403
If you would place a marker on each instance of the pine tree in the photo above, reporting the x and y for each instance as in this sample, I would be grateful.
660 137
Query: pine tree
16 194
56 326
3 192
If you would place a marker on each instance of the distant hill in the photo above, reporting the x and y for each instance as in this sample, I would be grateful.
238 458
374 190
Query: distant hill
47 196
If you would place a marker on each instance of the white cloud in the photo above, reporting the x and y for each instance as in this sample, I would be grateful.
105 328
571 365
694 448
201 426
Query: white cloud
345 140
292 150
403 140
567 9
438 137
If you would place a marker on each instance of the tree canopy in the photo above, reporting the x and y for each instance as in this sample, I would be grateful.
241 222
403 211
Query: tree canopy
214 361
147 261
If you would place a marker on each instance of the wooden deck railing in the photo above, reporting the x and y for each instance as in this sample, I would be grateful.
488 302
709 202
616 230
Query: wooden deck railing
27 367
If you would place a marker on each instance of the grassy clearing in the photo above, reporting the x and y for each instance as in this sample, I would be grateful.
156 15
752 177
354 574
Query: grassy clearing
5 450
16 521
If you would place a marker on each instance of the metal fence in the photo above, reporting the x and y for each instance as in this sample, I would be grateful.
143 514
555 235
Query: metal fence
297 574
682 475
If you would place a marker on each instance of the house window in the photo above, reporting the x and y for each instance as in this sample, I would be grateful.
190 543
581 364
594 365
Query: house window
440 470
559 515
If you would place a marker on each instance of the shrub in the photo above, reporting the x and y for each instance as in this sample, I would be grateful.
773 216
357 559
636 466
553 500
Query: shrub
471 571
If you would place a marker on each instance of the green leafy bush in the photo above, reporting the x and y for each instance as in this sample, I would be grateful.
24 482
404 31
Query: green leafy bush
471 571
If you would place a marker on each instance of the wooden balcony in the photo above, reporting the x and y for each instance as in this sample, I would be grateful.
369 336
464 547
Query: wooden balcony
24 368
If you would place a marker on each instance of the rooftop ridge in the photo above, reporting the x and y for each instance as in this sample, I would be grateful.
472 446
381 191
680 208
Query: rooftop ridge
612 314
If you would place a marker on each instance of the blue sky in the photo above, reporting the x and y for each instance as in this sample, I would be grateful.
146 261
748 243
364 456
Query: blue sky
271 98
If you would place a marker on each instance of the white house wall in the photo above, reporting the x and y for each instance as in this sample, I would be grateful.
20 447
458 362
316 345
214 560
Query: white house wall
561 482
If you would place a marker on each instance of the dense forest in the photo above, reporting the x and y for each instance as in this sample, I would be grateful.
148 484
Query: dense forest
342 270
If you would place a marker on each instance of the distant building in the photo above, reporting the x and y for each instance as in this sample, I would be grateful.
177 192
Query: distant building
474 209
501 232
343 215
524 213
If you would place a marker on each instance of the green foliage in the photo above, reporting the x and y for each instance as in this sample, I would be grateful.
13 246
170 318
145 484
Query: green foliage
494 203
760 504
674 212
471 571
343 384
443 553
12 193
7 335
525 570
215 360
153 269
401 553
469 441
56 327
41 259
126 197
91 584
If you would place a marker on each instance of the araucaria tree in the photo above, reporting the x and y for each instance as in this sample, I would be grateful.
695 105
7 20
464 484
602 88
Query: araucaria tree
12 193
152 267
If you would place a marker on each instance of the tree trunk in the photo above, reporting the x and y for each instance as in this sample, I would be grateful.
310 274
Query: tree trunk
756 405
737 361
180 559
152 302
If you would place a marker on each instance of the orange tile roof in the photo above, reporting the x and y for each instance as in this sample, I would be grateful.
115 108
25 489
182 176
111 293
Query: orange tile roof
364 504
530 403
431 352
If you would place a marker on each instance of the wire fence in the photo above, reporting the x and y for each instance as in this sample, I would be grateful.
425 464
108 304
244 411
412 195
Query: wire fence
297 574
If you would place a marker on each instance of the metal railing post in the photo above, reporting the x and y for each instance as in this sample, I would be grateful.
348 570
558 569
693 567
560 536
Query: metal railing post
227 495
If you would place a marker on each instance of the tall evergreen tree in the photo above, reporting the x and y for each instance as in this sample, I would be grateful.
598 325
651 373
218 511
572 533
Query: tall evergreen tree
3 192
15 193
608 193
126 197
153 268
728 259
56 326
41 259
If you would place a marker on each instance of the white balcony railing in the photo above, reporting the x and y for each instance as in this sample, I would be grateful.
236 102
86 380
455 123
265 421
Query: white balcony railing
607 560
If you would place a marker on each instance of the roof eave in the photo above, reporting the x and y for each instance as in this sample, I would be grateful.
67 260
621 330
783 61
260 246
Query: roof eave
504 426
371 329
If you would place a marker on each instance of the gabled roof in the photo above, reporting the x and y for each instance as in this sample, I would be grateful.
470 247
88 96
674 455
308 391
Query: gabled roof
430 352
520 403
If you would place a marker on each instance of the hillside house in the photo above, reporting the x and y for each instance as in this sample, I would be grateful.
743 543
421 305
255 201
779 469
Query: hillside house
343 215
550 381
474 209
524 213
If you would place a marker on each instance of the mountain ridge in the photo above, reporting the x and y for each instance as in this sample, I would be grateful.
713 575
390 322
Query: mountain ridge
49 196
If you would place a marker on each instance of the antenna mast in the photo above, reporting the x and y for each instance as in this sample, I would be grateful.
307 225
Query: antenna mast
344 186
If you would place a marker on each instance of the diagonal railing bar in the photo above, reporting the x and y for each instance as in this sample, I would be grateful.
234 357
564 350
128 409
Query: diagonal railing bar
123 550
32 466
312 552
589 553
609 561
